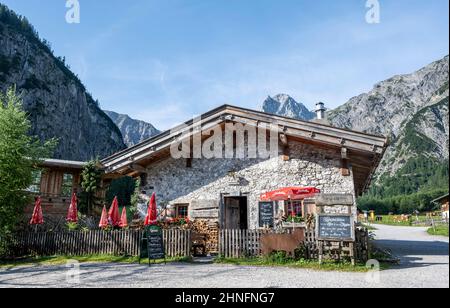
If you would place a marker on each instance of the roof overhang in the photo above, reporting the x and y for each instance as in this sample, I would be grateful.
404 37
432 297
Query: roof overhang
442 198
365 150
58 163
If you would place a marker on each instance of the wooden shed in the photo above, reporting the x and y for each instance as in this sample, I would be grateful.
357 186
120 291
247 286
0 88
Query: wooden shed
55 183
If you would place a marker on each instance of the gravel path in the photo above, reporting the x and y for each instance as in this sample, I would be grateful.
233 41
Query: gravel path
425 262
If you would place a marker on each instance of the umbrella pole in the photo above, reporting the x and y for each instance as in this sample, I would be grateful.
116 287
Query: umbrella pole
293 213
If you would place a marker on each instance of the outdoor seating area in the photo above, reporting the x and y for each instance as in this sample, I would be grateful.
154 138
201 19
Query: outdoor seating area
115 237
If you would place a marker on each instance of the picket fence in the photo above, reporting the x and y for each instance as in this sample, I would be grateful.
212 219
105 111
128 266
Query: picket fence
246 243
119 243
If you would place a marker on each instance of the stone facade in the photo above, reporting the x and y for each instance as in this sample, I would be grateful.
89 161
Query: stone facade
209 180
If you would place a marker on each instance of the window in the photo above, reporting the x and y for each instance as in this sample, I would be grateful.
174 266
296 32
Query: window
182 211
67 185
35 186
294 209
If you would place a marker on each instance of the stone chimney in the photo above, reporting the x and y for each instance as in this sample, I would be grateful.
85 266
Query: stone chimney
320 111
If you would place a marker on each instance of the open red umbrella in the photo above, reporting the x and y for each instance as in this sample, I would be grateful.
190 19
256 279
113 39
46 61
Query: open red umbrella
123 218
72 215
152 217
37 218
113 214
290 193
104 219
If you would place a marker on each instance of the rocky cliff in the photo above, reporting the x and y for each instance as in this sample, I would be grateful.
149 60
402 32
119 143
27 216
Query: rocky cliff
58 103
284 105
133 131
411 109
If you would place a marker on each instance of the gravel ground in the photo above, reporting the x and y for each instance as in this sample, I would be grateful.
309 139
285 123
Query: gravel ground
424 263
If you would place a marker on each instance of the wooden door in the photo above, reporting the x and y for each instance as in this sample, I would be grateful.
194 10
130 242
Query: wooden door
232 213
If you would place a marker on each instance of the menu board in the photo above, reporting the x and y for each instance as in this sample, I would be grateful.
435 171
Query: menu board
155 244
266 214
335 227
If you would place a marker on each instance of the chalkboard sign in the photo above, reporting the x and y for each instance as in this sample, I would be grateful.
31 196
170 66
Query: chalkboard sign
152 245
155 244
266 213
335 227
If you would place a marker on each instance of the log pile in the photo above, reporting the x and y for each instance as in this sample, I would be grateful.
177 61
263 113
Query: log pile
210 229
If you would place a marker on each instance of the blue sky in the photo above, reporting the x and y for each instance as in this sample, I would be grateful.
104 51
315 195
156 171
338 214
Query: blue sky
164 61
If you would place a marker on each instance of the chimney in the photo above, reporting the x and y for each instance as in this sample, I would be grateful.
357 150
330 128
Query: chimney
320 111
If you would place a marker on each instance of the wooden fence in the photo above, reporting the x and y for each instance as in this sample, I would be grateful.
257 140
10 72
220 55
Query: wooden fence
239 243
246 243
177 243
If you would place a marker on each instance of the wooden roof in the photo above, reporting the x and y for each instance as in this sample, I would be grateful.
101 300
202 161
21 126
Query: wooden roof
364 151
59 163
441 199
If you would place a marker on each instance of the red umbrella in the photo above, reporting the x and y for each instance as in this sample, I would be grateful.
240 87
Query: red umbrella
152 216
290 193
113 214
104 220
123 219
37 218
72 215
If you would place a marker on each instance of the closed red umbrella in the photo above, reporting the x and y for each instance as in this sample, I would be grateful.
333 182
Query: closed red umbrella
37 218
113 214
123 218
72 215
104 219
152 217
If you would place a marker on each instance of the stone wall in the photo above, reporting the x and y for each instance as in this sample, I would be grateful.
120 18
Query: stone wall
209 179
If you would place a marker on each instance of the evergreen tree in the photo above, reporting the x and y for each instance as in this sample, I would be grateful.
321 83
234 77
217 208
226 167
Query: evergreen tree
123 189
20 155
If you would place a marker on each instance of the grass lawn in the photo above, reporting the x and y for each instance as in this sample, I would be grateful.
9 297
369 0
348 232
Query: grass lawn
60 260
389 220
440 230
305 264
369 227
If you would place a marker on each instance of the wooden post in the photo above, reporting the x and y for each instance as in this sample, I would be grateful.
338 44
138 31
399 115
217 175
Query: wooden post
320 243
352 253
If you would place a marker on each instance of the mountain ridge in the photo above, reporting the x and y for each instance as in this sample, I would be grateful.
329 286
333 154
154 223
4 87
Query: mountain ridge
391 109
57 102
133 131
285 105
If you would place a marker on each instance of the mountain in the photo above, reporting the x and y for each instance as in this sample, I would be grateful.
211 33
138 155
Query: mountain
411 109
133 131
57 102
286 106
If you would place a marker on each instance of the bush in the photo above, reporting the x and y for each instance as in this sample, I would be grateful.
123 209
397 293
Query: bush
278 257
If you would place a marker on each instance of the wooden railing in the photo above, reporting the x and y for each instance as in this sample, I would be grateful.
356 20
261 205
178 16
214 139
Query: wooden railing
119 243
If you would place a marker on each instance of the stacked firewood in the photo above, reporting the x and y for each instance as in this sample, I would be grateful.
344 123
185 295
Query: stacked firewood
210 229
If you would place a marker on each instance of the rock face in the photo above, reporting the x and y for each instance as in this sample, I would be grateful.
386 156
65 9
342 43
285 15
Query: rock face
58 103
286 106
411 109
133 131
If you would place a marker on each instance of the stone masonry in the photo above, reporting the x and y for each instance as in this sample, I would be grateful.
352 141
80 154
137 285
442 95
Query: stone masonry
208 179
